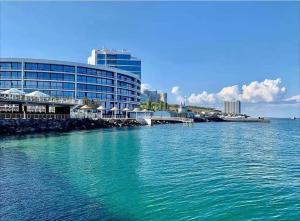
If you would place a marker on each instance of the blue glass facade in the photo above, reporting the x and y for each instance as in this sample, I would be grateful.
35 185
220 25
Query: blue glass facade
63 79
123 61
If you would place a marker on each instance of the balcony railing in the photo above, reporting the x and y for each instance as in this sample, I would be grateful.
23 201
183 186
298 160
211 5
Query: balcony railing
33 116
50 100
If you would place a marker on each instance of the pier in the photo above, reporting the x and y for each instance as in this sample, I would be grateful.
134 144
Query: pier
154 119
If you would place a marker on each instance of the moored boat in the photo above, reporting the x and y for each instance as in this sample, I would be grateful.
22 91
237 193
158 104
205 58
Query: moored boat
245 119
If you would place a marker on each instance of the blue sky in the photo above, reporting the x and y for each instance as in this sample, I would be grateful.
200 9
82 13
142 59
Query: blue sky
196 46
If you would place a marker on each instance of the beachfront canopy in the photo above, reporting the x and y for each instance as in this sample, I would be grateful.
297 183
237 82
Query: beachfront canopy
86 107
37 94
136 109
114 109
13 91
126 109
100 108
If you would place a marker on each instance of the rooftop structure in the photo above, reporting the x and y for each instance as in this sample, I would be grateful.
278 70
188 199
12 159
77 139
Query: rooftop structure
120 59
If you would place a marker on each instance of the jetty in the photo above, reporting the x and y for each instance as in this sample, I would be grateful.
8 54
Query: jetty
161 119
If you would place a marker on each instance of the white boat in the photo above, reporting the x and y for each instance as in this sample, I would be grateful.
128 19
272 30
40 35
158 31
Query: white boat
245 119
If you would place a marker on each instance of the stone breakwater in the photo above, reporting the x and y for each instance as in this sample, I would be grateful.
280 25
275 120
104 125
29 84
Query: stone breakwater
29 126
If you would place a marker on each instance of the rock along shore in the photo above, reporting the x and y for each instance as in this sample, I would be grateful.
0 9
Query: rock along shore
30 126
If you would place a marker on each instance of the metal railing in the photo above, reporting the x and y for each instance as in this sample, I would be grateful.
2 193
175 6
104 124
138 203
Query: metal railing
33 116
97 116
51 100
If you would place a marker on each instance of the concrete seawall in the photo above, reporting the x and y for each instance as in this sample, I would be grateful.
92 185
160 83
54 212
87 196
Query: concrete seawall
30 126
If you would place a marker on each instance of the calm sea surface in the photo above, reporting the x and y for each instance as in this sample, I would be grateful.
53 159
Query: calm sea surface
207 171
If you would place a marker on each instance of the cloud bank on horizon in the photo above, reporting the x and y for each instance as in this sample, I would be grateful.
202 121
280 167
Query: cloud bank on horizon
267 91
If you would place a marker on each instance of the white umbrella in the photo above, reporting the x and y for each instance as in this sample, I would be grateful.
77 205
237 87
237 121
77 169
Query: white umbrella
136 110
13 91
37 94
101 109
126 109
115 109
85 108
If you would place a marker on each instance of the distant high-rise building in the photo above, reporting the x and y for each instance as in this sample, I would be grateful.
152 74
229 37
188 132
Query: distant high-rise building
120 59
154 96
232 107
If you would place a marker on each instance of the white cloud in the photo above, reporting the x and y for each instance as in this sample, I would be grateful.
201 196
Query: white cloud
255 92
265 91
229 93
295 98
145 87
175 90
202 98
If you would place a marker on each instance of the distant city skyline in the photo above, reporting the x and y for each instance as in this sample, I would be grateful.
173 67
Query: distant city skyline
207 51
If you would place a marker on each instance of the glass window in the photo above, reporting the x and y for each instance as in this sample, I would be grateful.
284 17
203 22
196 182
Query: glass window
31 84
30 66
69 77
5 75
100 62
44 76
68 86
91 87
91 71
16 74
70 69
81 87
100 56
43 67
81 70
5 65
10 65
81 78
91 80
68 94
30 75
55 67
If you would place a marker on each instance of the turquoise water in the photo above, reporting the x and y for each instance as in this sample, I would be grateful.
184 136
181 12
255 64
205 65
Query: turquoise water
208 171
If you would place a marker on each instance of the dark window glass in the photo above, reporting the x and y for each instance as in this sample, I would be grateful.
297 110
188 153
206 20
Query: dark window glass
56 67
70 69
91 71
30 75
30 66
81 70
81 78
16 74
31 84
68 86
5 65
43 67
10 65
81 87
16 65
91 80
68 94
69 77
91 87
100 62
100 56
